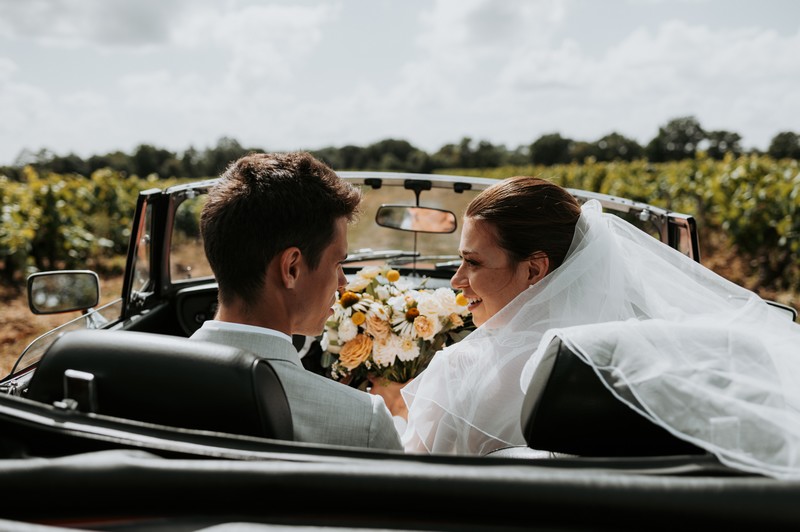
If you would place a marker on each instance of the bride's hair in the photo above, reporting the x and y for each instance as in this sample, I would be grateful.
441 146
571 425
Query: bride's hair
529 215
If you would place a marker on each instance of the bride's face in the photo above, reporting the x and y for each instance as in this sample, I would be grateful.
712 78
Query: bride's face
487 276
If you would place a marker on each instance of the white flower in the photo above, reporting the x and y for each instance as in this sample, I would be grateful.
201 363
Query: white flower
369 272
379 311
385 353
430 305
404 328
382 292
398 304
404 285
409 350
325 341
447 302
358 284
340 313
396 323
347 331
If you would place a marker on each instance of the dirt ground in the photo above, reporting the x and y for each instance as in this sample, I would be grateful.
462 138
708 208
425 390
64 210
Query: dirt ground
19 326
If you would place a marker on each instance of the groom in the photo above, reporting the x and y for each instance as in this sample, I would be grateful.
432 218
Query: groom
275 234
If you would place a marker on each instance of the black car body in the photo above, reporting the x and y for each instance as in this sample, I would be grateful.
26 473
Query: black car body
138 441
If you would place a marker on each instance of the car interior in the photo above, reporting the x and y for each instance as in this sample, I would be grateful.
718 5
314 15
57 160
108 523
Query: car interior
196 385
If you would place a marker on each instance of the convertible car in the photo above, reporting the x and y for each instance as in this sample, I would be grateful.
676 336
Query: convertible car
115 421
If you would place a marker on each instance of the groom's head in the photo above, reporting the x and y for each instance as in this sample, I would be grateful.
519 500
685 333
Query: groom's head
277 214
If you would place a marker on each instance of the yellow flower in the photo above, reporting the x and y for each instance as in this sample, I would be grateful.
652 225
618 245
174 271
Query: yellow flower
412 313
348 299
383 326
358 317
355 351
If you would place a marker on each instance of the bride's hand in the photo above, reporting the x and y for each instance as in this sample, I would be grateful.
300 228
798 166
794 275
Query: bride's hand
390 391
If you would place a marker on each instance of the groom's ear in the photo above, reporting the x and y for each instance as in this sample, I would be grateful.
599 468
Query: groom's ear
289 261
538 266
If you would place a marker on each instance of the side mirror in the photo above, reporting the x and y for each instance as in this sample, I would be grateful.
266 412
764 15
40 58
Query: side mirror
419 219
63 291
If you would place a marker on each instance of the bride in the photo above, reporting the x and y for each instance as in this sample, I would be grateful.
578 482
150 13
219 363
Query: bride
707 359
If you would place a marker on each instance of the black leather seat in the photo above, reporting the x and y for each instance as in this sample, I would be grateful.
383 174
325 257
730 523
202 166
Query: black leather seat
165 380
567 409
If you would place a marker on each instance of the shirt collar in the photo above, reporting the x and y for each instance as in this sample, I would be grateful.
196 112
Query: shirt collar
230 326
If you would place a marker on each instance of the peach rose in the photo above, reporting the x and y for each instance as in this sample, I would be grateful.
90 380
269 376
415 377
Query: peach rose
355 351
425 327
378 327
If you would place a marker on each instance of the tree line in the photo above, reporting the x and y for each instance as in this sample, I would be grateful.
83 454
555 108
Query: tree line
681 138
748 206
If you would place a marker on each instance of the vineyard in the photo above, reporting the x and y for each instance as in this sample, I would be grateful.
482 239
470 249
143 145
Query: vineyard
745 207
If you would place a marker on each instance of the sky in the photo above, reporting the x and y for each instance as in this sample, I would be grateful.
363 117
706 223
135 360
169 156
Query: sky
91 77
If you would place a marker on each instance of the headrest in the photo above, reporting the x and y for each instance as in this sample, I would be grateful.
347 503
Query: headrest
567 409
166 380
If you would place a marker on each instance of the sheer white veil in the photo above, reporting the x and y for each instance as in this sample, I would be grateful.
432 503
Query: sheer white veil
704 357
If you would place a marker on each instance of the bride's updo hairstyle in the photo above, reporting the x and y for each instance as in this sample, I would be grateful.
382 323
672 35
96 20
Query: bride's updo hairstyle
529 215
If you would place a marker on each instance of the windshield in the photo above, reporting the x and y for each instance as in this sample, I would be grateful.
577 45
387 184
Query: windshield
366 234
93 319
369 243
188 261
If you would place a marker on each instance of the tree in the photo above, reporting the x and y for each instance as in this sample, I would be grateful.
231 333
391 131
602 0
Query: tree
191 163
676 141
581 151
519 156
117 160
466 154
447 156
217 159
785 145
345 158
722 142
70 164
551 149
388 154
150 160
487 155
616 147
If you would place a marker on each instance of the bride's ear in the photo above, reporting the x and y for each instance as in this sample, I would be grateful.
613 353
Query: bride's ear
538 266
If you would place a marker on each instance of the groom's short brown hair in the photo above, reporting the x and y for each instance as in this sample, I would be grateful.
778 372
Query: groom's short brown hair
265 203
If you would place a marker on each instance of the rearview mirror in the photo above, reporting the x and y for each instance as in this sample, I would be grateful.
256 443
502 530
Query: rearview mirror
63 291
418 219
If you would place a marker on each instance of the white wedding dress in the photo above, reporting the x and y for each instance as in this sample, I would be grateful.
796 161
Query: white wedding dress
703 357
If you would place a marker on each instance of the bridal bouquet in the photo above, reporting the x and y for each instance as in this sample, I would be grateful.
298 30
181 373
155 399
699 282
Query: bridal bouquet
382 326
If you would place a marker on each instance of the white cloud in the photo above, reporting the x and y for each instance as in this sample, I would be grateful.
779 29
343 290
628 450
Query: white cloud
89 22
306 74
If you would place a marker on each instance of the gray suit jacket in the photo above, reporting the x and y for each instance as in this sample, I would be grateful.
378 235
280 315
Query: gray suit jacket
323 410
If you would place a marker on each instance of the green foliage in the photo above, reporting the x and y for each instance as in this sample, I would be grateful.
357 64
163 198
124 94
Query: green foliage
676 141
785 145
54 221
70 221
754 200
